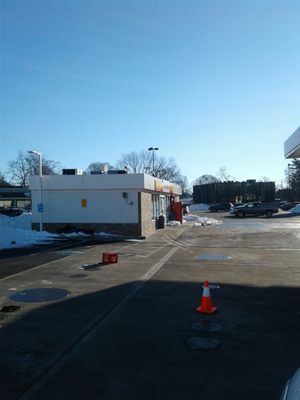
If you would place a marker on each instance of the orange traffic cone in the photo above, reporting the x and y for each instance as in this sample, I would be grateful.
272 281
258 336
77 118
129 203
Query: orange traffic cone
206 305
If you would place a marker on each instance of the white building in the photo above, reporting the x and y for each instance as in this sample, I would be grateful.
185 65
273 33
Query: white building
127 204
292 145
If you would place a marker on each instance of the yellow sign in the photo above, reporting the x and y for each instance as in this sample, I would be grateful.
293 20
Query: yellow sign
83 203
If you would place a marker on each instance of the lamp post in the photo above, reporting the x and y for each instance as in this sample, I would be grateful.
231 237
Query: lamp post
40 205
153 149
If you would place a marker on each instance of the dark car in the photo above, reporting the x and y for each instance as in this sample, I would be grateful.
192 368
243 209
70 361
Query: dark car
220 207
291 389
13 212
287 206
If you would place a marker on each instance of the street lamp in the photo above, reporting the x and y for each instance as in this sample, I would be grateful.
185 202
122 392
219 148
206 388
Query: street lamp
153 149
40 205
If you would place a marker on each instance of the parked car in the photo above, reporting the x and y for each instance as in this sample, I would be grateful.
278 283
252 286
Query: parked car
255 208
287 206
233 206
13 212
220 207
291 389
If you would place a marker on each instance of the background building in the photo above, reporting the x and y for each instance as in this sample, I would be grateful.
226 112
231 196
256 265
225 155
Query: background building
127 204
234 192
15 197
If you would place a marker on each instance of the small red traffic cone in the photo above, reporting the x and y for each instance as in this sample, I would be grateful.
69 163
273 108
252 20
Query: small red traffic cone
206 305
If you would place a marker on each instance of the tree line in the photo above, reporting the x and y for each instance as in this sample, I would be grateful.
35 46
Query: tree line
143 161
27 164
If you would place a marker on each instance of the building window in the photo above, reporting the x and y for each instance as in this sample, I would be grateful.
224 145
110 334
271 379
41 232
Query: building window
24 204
155 206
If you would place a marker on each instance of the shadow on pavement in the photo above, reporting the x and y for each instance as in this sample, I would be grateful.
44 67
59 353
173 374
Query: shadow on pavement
275 216
130 342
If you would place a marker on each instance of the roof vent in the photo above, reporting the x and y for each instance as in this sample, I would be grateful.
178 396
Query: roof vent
72 171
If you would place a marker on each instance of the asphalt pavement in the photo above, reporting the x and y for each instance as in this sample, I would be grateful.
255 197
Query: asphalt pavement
130 330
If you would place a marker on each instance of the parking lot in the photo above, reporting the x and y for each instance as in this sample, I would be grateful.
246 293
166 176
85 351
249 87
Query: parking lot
130 330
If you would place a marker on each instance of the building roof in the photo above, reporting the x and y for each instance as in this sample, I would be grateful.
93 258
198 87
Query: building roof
292 145
139 182
14 193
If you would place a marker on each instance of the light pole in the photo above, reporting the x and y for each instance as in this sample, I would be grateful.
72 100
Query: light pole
153 149
40 205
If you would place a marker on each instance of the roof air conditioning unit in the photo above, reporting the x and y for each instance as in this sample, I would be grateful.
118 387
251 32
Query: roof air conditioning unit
72 171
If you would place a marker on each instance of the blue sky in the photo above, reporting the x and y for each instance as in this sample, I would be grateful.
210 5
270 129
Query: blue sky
211 83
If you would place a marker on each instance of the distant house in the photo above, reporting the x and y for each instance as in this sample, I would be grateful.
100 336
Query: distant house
126 204
15 197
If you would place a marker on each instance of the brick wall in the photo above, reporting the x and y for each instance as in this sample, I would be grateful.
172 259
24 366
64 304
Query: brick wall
116 229
147 225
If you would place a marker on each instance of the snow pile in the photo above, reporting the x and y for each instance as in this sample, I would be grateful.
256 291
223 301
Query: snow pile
201 221
296 209
173 223
199 207
16 232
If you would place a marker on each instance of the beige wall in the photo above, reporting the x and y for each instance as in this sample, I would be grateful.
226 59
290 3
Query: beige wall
147 225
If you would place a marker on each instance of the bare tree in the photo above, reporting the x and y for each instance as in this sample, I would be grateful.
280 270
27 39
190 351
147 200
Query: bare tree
294 177
185 186
203 179
166 169
224 176
265 179
136 162
97 167
3 181
145 161
27 164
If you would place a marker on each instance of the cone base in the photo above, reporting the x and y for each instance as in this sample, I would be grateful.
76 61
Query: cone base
204 311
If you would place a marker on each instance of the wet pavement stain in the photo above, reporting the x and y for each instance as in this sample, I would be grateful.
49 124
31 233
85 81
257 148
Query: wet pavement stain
39 295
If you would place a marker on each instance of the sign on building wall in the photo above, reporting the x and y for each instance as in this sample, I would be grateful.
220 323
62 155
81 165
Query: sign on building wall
160 187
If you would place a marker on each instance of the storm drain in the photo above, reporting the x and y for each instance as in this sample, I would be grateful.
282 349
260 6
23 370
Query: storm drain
212 257
10 309
38 295
207 326
203 343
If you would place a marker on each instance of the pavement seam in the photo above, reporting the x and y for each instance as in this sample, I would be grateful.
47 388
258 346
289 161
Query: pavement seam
91 328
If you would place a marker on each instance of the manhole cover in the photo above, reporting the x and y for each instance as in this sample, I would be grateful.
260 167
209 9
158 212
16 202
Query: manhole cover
10 309
78 276
203 343
39 295
207 326
212 257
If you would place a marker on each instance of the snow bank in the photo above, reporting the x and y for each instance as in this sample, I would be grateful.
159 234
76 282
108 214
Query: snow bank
173 223
16 232
296 209
201 221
